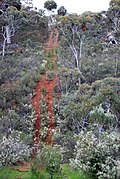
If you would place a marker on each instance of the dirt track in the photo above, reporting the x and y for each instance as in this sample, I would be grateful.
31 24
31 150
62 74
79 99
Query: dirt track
52 44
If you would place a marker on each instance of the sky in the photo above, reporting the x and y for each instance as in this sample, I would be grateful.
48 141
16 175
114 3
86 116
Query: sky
77 6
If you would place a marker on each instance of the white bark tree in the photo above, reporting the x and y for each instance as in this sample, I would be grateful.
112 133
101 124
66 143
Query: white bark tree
114 14
7 33
75 31
50 5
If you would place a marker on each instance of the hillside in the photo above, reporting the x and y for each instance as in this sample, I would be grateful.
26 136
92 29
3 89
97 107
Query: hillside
60 86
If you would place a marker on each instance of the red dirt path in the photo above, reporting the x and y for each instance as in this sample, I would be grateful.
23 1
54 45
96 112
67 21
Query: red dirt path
52 44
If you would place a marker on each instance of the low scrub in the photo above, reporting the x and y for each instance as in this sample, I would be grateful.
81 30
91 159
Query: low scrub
12 149
99 156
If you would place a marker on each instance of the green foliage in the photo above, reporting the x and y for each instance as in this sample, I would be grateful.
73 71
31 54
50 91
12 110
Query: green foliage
70 173
50 65
53 161
102 61
18 122
81 105
107 91
67 173
16 136
97 48
26 25
6 173
16 115
49 75
49 159
50 4
44 115
36 169
98 156
42 70
62 11
114 2
12 149
44 91
92 104
50 53
69 79
28 82
99 115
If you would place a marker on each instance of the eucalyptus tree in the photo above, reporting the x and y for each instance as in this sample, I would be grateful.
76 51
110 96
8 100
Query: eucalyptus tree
50 5
96 104
75 29
8 14
16 18
8 18
7 3
113 14
62 11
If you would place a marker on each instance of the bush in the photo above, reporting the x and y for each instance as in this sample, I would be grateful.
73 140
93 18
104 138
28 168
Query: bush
12 149
50 53
98 114
49 159
42 70
98 156
50 75
53 161
50 65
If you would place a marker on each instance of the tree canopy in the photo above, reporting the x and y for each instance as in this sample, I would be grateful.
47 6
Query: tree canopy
50 5
69 82
62 11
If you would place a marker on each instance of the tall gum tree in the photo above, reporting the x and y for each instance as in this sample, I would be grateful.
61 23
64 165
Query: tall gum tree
5 10
75 28
14 20
62 11
113 14
50 5
9 10
7 23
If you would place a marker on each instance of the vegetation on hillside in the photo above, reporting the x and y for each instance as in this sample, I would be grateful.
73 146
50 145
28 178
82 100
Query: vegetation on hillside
86 103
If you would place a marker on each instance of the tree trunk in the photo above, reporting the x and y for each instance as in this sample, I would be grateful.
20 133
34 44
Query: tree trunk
8 34
51 176
4 43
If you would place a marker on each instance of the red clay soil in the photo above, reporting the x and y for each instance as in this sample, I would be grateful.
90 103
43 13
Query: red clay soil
52 44
22 168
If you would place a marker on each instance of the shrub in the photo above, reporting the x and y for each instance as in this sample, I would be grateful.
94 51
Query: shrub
13 149
98 156
49 159
50 65
50 75
42 70
37 76
44 115
50 54
98 114
36 170
53 161
44 91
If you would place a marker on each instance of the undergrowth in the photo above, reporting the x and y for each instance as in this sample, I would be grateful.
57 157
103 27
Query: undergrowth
67 173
